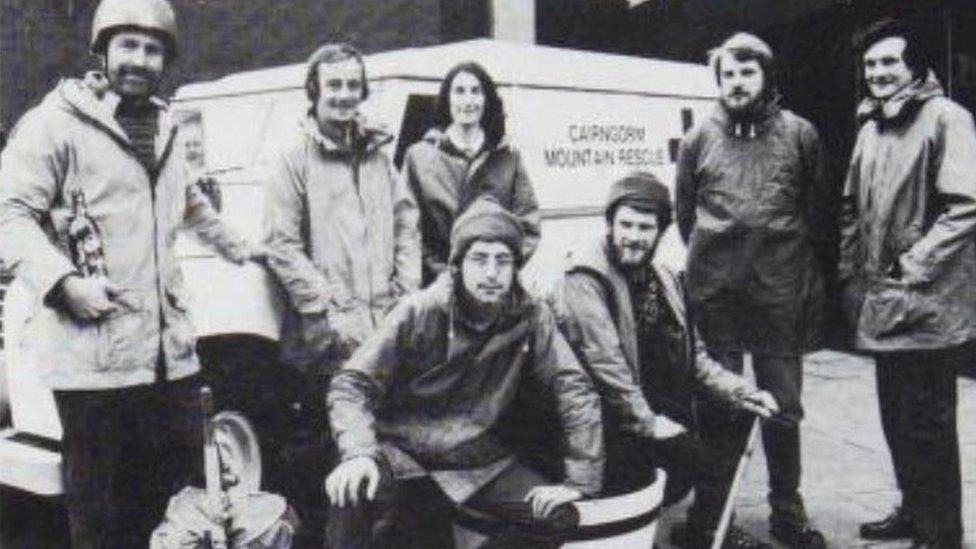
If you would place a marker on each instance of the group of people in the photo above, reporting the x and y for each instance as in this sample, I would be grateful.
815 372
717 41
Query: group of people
413 341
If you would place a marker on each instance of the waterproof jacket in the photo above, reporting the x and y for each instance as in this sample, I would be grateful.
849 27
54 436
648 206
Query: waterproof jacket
909 211
431 387
446 182
745 197
72 141
597 317
342 234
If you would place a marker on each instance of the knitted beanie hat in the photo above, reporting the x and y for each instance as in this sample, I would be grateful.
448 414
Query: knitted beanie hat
486 219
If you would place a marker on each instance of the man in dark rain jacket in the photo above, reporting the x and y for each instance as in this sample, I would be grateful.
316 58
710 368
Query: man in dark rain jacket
424 395
746 183
908 267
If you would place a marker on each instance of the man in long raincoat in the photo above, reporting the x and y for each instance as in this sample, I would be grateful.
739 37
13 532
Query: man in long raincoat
908 266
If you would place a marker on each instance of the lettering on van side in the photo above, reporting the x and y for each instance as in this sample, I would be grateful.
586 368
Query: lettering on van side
606 133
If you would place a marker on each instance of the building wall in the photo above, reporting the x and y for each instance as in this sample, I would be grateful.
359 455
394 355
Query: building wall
42 41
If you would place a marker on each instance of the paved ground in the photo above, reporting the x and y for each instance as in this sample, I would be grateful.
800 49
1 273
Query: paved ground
847 470
847 474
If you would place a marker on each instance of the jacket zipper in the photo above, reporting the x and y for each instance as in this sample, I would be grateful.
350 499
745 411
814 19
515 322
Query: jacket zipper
356 164
161 363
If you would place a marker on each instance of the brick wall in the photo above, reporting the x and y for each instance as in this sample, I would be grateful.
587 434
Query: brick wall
42 41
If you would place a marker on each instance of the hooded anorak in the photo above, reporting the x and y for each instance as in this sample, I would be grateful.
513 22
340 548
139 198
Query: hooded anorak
746 193
70 142
426 391
907 259
342 234
598 320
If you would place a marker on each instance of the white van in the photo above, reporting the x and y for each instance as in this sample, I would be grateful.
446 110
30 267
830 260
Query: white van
579 119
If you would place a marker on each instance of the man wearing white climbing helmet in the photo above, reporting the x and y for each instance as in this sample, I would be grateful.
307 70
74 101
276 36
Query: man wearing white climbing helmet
99 162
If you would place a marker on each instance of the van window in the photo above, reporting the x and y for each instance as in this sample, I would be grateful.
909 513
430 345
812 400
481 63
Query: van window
418 117
233 131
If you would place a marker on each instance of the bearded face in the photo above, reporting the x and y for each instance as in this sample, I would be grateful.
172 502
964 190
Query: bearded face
488 272
741 83
634 235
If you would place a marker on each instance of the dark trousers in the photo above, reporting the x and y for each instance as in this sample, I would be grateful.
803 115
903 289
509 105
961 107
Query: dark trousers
376 524
631 463
724 432
918 396
126 452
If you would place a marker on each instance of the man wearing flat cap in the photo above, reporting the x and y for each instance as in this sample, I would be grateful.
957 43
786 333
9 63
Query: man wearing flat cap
624 314
749 181
424 394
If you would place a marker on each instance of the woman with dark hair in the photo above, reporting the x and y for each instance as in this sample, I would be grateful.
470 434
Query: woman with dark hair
466 155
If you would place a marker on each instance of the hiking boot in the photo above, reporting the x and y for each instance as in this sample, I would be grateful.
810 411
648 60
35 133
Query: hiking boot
899 524
798 537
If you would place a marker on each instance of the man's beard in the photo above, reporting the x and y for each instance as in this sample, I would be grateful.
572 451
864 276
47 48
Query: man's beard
618 253
482 311
744 111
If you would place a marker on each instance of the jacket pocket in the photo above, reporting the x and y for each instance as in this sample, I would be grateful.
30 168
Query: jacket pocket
129 335
61 345
893 308
180 336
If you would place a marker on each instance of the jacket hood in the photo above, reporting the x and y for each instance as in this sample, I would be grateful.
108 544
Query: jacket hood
368 137
92 98
751 125
903 104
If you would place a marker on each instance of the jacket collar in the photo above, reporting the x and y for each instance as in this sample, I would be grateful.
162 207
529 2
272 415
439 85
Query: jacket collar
94 99
366 138
438 138
904 104
750 126
595 257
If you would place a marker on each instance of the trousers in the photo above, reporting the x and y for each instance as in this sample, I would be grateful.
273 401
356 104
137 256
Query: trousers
918 397
126 452
375 524
724 433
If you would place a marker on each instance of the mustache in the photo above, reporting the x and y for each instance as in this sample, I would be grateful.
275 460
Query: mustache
884 80
141 72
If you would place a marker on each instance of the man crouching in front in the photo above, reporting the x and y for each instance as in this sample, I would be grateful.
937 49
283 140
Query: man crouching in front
423 394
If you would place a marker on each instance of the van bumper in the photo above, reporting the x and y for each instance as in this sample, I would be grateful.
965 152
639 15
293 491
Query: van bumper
30 463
